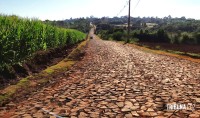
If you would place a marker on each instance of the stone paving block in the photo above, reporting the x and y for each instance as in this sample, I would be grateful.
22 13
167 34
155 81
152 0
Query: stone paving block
115 80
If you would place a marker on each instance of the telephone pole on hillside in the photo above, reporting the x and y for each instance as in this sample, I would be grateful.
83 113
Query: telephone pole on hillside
129 19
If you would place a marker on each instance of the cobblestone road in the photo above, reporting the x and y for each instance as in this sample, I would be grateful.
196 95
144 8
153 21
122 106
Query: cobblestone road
115 80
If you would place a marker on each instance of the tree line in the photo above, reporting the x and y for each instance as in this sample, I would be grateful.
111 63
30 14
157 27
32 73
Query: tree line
167 30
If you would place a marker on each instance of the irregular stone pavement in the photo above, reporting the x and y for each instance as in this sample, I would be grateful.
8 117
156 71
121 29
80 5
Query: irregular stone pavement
115 80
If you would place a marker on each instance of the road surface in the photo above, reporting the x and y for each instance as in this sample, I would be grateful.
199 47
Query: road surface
115 80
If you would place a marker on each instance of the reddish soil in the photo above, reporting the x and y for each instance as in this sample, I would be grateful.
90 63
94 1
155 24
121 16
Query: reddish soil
175 47
40 61
115 80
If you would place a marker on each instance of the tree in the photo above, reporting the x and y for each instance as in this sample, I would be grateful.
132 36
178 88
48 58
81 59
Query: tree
183 18
197 37
141 31
162 36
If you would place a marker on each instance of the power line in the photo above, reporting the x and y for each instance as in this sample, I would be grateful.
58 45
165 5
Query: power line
123 8
137 4
127 3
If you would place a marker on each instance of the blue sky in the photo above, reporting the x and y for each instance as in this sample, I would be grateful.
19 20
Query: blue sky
64 9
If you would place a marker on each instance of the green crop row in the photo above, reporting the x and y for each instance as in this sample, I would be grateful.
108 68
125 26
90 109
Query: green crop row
21 37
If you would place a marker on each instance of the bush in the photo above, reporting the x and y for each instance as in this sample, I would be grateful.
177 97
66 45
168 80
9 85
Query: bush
197 37
186 39
176 39
162 36
118 36
104 34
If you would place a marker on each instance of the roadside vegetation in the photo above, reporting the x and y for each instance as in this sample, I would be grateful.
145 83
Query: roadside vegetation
22 38
32 53
169 34
32 83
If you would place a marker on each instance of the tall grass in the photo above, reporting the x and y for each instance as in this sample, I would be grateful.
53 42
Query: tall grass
21 37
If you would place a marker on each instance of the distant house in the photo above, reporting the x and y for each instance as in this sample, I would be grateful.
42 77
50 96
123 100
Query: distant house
125 26
149 25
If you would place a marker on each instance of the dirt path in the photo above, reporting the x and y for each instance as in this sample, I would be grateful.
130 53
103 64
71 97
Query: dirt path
115 80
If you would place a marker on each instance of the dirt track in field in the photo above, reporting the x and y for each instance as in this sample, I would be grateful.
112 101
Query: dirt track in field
115 80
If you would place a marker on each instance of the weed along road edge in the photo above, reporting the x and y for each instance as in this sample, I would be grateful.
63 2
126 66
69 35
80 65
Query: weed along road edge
115 80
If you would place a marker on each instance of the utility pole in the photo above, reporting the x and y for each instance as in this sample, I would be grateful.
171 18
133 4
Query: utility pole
129 19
